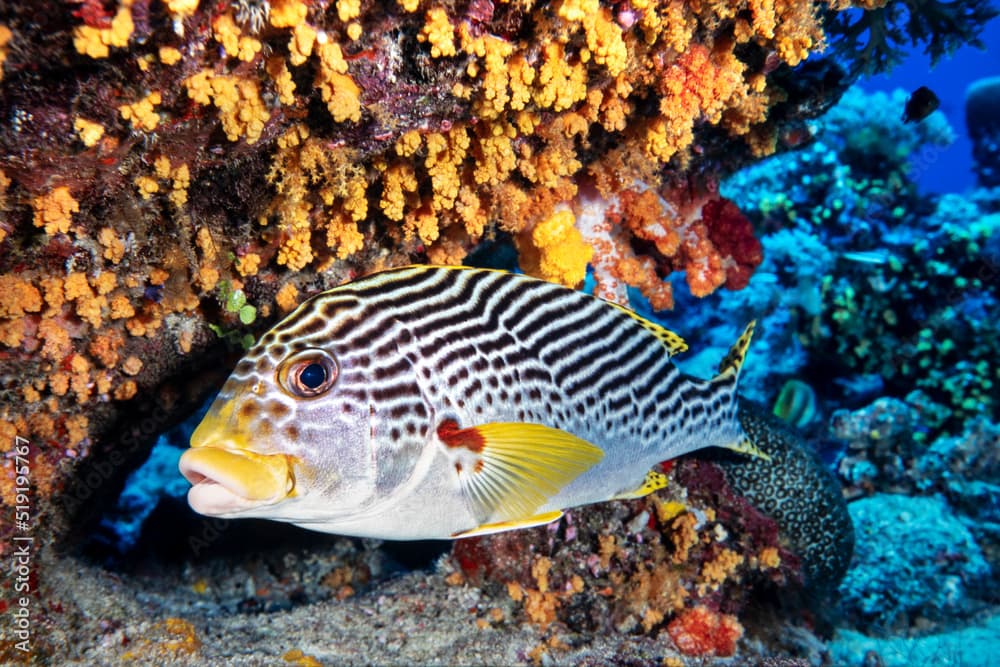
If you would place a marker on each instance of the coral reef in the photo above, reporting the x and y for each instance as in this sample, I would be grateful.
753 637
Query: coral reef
880 300
176 175
892 448
915 564
176 616
906 289
161 157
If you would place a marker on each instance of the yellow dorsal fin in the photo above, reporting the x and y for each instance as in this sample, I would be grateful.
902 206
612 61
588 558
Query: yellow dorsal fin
509 469
733 361
672 341
530 522
654 481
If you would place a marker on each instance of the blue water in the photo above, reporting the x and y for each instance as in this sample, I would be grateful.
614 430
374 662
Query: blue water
951 172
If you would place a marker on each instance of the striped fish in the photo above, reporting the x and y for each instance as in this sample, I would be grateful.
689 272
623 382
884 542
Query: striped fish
438 402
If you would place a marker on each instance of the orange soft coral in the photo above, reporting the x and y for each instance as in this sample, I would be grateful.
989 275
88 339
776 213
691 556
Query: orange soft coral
701 631
17 297
518 148
555 250
238 100
54 211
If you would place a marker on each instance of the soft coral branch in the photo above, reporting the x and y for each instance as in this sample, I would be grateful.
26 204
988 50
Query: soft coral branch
894 26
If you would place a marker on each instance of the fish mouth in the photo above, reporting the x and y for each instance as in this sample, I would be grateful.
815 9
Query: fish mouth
231 481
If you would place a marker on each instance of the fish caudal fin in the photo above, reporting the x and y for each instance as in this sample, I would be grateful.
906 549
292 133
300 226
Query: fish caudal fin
508 470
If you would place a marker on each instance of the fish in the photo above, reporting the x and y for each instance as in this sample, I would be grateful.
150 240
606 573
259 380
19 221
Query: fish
431 402
922 103
796 403
873 257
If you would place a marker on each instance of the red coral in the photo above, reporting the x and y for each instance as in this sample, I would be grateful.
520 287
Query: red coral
641 235
94 13
732 234
701 631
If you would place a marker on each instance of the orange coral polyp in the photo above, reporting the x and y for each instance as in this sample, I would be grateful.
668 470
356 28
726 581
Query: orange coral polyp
555 250
703 632
534 104
54 211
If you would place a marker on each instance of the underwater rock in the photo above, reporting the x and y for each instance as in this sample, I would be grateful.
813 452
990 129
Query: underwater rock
982 117
883 440
973 646
966 469
915 565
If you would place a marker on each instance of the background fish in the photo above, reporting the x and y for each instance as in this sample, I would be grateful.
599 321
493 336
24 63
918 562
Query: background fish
436 402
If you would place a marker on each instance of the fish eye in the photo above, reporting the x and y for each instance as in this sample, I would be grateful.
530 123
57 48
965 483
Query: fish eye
308 373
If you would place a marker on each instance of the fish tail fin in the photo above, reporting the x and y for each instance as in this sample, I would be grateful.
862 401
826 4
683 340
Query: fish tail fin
728 377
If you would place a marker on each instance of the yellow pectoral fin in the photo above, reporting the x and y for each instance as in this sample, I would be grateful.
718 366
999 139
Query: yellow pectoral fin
518 467
654 481
502 526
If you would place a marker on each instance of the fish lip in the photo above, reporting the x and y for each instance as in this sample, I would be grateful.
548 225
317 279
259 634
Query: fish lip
227 481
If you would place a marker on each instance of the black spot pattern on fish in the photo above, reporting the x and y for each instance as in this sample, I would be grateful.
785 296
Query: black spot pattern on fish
795 489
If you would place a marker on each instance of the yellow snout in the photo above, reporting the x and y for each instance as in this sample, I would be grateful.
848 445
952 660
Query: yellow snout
245 474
